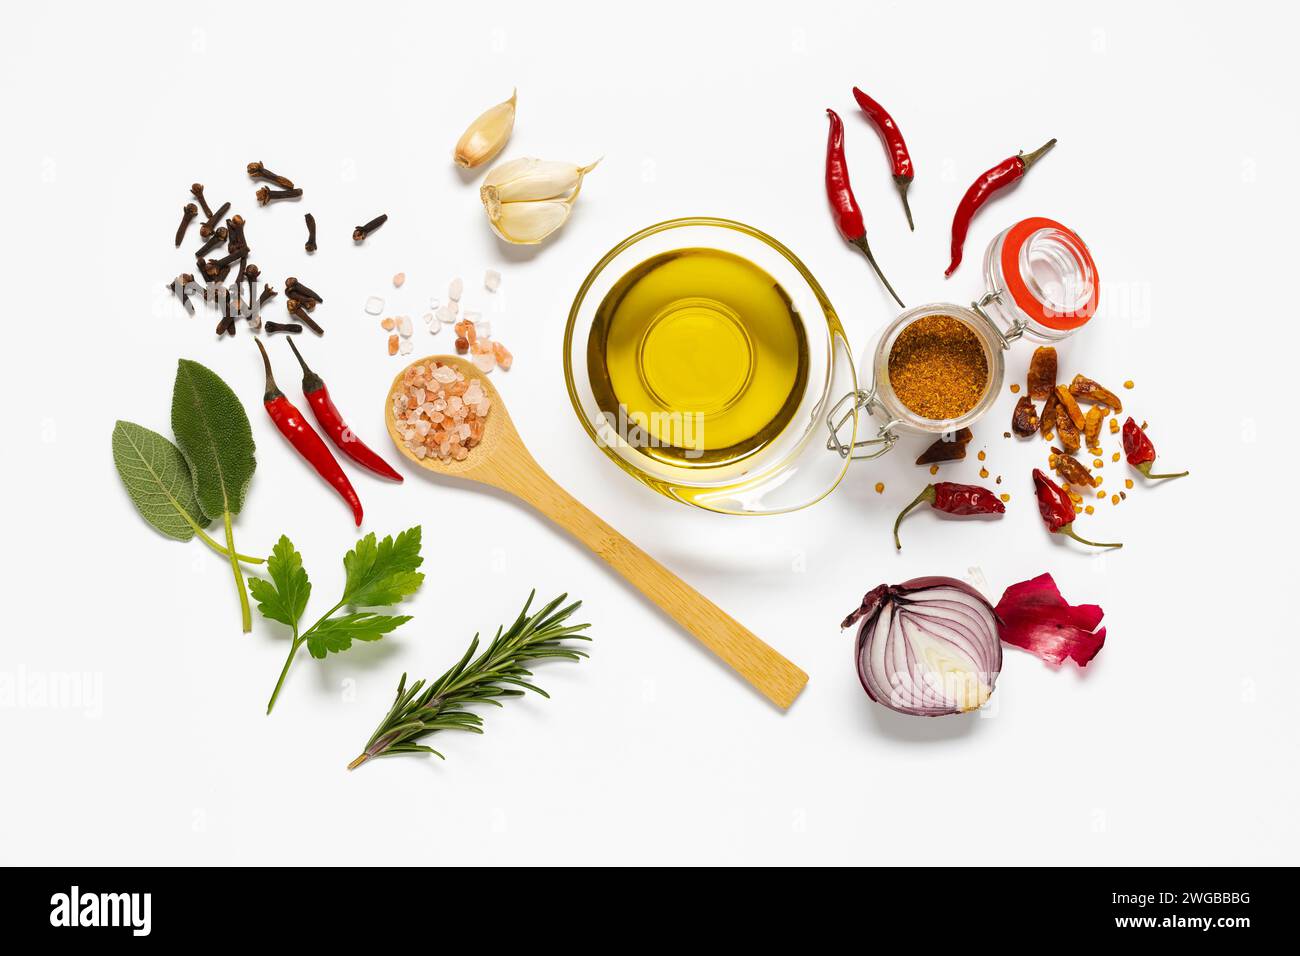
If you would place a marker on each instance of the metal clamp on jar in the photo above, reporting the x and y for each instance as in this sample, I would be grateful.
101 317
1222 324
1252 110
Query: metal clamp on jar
1041 282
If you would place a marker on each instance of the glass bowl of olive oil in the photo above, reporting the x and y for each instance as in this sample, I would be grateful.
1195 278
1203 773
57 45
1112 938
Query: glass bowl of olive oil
704 359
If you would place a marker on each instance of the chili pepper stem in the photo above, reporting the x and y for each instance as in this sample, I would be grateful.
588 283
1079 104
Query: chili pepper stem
861 244
1030 158
927 494
245 614
1068 530
902 182
1145 468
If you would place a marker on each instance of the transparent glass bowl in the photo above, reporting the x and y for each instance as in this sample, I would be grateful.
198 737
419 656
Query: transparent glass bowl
792 471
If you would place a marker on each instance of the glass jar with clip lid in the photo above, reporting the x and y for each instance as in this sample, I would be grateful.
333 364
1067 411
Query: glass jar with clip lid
938 368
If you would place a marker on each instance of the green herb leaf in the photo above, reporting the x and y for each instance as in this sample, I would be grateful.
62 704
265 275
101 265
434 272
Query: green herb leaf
284 597
337 633
498 672
158 480
214 436
383 573
213 433
379 573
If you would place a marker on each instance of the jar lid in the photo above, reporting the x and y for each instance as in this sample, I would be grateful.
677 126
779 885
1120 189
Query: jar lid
1048 273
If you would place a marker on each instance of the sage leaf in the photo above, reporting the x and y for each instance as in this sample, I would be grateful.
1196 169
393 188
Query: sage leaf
213 433
158 481
214 436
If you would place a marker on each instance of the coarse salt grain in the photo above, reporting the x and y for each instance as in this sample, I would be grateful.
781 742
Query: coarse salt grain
404 326
388 324
374 305
406 347
445 315
431 433
492 280
454 290
399 280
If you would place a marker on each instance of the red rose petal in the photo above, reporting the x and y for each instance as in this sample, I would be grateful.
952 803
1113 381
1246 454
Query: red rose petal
1036 618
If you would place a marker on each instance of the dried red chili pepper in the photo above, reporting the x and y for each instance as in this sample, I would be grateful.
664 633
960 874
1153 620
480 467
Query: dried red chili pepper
327 415
848 215
1057 509
952 499
989 182
1141 453
304 438
1024 417
899 158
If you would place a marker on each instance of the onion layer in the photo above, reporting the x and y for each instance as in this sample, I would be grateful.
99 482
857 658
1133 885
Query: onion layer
928 647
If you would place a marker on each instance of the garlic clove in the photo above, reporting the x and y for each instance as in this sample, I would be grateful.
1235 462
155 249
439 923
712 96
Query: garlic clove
526 180
528 223
486 135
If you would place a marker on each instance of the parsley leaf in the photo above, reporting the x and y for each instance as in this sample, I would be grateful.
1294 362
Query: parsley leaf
379 574
337 633
284 597
383 573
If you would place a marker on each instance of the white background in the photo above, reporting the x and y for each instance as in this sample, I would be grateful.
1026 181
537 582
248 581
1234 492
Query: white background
1176 162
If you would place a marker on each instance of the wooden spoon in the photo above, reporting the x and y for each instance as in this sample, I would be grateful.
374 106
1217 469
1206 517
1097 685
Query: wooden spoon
502 461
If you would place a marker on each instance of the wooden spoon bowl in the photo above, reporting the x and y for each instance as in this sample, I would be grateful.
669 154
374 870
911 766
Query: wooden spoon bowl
503 461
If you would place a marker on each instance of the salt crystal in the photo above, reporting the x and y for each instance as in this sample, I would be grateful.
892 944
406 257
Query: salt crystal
404 326
446 315
485 361
455 289
432 325
453 308
387 324
421 451
399 280
444 374
483 327
492 280
374 305
434 303
427 317
406 347
503 356
392 344
481 409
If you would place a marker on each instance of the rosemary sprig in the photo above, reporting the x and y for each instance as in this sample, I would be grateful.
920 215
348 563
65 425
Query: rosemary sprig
498 672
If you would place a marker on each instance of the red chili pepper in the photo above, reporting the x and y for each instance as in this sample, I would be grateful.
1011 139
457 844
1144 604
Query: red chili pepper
1057 509
952 499
305 440
1141 453
900 159
327 415
989 182
848 216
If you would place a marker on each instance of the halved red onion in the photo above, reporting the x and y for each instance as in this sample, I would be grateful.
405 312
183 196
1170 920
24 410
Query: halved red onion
928 647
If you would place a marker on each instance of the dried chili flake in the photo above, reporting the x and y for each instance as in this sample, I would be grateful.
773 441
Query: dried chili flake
1042 372
1071 407
1066 430
1092 425
1047 418
1024 418
1086 390
1073 470
950 447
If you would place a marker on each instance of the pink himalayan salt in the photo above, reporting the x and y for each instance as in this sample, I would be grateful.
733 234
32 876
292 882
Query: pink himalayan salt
440 413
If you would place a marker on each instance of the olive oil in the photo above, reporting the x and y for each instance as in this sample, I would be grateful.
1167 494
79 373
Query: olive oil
699 357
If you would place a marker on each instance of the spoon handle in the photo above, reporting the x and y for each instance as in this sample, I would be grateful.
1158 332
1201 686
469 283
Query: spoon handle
779 680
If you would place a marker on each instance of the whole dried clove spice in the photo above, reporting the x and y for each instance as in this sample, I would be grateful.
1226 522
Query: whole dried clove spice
292 328
267 195
295 309
360 232
217 238
258 171
187 216
196 190
180 287
299 291
311 232
209 227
